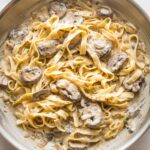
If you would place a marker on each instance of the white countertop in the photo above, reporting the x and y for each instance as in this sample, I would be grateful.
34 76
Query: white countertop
142 144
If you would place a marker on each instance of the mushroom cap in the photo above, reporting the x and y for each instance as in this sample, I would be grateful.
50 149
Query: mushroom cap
92 115
68 89
102 47
40 95
71 19
58 9
116 61
104 12
18 34
135 86
31 75
47 48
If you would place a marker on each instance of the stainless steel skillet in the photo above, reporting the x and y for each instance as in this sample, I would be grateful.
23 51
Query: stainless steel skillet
14 13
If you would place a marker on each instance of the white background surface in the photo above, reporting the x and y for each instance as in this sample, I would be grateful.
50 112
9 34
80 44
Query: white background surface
142 144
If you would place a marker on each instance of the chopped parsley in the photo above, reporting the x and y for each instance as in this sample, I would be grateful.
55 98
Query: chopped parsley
126 120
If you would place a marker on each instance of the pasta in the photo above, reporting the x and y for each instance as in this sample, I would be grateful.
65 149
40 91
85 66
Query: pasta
72 69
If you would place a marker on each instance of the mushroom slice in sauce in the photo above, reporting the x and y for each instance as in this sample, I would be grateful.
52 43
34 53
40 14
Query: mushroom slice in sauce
71 19
104 12
116 61
131 125
134 86
133 112
18 34
85 103
3 81
40 95
77 146
102 47
31 75
47 48
57 8
68 90
92 115
41 15
130 28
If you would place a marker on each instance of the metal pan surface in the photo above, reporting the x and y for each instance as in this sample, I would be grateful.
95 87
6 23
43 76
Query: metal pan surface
15 13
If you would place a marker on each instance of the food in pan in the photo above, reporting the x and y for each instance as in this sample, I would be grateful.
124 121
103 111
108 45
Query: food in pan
71 71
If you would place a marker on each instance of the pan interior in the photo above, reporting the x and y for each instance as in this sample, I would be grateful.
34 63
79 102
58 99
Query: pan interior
9 19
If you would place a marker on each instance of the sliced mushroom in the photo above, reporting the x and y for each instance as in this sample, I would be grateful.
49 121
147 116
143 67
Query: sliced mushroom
57 8
133 112
41 15
92 115
77 146
47 48
117 61
75 42
68 89
71 19
3 81
102 47
18 34
31 75
53 134
135 86
130 28
104 12
131 125
85 103
40 95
